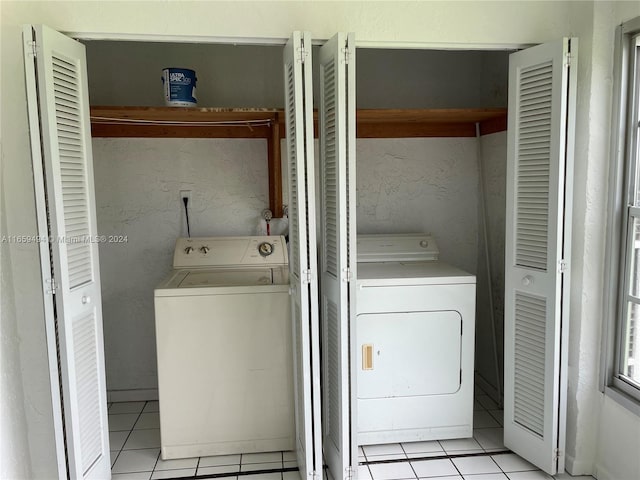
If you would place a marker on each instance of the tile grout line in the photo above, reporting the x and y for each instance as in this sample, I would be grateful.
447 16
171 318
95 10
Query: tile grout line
457 469
197 466
408 461
128 436
440 457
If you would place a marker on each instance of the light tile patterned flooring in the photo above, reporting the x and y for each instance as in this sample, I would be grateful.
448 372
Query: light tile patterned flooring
134 435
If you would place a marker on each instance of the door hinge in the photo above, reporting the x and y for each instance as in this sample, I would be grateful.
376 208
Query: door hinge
348 275
51 286
306 276
567 59
348 473
347 54
33 48
314 475
302 54
558 453
563 266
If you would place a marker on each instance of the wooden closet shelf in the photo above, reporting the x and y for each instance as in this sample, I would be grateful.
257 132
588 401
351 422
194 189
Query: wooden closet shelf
198 122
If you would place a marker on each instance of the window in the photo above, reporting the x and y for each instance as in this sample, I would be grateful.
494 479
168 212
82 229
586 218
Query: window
623 361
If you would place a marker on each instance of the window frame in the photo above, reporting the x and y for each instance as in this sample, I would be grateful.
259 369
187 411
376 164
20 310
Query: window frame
624 189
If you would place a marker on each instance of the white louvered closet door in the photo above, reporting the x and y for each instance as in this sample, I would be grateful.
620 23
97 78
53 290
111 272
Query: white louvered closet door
63 103
336 127
539 178
302 244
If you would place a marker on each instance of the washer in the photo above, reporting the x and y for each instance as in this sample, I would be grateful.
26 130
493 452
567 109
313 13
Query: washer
415 331
223 337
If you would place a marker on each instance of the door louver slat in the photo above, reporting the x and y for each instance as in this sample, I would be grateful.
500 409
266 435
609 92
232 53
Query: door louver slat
530 362
333 349
86 351
533 162
74 188
330 219
301 424
293 172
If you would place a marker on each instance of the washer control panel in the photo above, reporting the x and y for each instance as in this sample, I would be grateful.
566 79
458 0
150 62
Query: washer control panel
229 251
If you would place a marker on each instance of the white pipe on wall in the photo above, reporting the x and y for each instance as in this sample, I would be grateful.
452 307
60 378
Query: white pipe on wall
487 254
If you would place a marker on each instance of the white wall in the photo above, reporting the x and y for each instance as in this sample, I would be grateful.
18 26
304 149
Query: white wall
618 430
595 72
22 325
399 23
618 443
14 449
137 195
421 185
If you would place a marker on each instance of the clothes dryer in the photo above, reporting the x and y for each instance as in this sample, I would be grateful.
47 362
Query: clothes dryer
415 332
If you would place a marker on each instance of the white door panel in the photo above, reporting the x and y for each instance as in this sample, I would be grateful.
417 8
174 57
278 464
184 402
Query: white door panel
336 127
302 242
65 141
539 175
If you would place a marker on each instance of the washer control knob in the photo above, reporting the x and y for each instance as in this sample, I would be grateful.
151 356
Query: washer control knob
204 249
188 250
424 243
265 249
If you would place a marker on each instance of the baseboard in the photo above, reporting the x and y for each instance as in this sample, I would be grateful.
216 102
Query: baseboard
487 388
133 395
574 468
602 473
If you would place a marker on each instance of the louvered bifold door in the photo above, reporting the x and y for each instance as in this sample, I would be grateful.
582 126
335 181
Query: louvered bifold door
539 175
63 103
337 253
302 262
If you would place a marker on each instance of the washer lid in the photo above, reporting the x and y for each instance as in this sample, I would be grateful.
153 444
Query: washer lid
227 277
403 247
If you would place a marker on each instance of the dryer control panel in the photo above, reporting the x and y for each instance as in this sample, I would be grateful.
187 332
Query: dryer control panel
207 252
408 247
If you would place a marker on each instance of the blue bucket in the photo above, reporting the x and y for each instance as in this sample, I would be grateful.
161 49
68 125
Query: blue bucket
179 87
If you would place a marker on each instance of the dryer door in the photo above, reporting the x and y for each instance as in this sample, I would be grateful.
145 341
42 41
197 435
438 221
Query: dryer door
409 354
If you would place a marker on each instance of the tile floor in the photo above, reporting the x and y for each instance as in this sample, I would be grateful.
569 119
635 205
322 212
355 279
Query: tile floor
135 443
134 435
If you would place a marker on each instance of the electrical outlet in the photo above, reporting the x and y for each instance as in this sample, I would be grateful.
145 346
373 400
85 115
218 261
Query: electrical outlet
185 194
